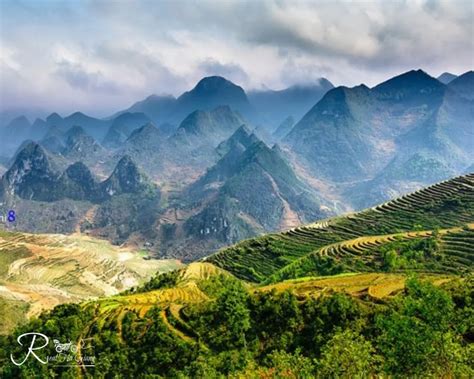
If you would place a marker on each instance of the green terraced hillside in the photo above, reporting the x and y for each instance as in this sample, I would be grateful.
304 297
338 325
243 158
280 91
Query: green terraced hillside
324 248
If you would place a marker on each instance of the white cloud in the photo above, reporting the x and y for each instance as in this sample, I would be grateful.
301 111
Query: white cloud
101 56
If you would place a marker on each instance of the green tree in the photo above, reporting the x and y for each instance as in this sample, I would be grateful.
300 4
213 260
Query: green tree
417 337
346 355
232 316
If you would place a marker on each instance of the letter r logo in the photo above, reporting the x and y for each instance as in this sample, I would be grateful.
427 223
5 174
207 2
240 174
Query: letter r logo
32 347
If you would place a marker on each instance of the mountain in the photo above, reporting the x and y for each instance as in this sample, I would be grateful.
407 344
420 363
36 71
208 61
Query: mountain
145 146
227 211
412 88
38 129
402 175
131 206
81 146
275 106
335 137
446 77
121 128
20 129
242 137
79 183
463 85
14 133
284 128
54 139
53 200
207 128
211 92
54 119
352 134
147 135
126 178
157 108
34 174
95 127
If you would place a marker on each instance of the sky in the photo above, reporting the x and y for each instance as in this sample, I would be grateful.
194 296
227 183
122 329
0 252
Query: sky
101 56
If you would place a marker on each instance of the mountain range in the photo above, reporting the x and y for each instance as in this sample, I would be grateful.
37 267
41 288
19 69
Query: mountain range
361 133
306 152
310 232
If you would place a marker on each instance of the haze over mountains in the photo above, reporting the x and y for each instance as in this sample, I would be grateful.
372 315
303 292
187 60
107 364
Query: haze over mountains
187 175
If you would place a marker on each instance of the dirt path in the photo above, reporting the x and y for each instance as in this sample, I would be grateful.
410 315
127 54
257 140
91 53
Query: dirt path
290 218
88 216
173 329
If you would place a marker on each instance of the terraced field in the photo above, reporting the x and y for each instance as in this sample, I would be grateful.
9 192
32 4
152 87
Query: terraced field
370 286
456 254
111 311
446 205
368 255
39 271
172 302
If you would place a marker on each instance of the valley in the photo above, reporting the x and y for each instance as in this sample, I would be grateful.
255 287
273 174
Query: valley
40 271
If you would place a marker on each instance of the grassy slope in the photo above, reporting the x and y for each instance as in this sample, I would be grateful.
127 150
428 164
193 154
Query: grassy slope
445 205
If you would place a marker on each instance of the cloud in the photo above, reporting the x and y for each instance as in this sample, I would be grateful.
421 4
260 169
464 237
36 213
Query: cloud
143 64
102 56
77 77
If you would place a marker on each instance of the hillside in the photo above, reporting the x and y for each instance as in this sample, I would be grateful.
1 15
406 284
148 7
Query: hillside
445 205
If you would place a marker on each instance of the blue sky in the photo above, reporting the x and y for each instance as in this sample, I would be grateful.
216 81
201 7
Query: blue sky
100 56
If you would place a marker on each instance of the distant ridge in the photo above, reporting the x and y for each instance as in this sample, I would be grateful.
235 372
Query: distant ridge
446 77
463 85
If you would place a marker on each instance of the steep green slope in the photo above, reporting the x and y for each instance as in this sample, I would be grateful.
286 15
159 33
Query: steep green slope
444 205
444 251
